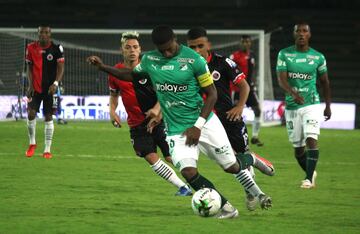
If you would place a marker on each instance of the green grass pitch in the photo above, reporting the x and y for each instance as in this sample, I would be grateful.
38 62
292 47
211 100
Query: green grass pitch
96 184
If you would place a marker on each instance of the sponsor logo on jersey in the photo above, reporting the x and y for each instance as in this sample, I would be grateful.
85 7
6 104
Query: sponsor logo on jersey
302 60
311 62
173 88
312 57
49 57
183 67
281 63
301 76
154 58
290 55
291 59
143 81
185 60
154 66
61 49
216 75
174 103
167 67
231 63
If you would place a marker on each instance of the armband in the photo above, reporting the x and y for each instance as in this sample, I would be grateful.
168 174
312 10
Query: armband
200 122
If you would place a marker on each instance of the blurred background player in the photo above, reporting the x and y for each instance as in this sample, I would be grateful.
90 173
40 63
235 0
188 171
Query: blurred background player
59 93
178 73
245 59
298 68
224 72
138 98
45 69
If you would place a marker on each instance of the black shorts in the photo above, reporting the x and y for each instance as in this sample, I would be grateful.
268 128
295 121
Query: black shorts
253 99
47 100
237 134
145 143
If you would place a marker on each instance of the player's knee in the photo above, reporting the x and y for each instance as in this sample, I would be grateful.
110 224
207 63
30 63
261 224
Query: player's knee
31 114
189 172
311 141
233 169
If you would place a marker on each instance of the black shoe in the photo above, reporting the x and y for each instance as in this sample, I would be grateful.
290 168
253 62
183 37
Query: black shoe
256 141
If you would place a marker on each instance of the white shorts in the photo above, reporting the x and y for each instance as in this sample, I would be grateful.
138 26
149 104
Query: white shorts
303 123
213 142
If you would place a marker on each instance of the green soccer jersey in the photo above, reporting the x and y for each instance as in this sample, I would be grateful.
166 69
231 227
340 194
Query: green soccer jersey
302 69
177 82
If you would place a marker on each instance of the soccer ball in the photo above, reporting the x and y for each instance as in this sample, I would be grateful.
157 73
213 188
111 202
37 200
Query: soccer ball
206 202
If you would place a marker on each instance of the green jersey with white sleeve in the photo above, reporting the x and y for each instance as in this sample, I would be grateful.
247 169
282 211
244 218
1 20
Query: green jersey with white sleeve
177 82
303 69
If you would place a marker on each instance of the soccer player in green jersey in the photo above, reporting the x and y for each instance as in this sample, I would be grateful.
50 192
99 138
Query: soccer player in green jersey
177 74
298 68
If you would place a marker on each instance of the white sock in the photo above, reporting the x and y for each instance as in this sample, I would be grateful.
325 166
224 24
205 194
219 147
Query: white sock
256 127
31 124
49 131
167 173
245 179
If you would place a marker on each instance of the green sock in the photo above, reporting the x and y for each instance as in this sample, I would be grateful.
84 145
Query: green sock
245 160
199 182
311 160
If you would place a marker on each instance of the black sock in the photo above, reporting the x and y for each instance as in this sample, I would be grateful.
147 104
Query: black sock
302 161
199 182
312 158
245 160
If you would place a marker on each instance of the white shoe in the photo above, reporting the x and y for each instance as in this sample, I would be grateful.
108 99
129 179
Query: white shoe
227 212
314 178
306 184
251 202
265 201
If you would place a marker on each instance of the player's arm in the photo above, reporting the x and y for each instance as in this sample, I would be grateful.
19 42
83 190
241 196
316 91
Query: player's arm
29 68
154 115
59 70
238 78
325 84
30 91
284 84
236 112
207 84
121 74
113 104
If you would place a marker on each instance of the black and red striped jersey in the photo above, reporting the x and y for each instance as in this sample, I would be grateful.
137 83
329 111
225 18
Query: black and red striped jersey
224 72
138 96
44 62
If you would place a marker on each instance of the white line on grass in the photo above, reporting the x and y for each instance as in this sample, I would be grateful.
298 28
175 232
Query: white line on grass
136 157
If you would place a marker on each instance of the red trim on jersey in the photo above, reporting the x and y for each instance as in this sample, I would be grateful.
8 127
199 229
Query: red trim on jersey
209 58
61 60
126 88
239 78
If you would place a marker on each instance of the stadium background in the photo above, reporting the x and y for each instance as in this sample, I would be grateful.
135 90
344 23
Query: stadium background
335 26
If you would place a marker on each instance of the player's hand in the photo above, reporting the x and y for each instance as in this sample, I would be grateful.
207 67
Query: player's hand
192 136
297 98
52 89
95 61
30 92
327 113
115 120
153 122
235 113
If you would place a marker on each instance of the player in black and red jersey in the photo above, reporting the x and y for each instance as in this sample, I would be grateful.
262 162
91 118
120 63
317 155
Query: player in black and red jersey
245 60
45 69
224 72
139 98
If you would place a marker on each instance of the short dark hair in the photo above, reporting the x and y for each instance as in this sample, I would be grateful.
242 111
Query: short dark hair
196 32
245 36
162 34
